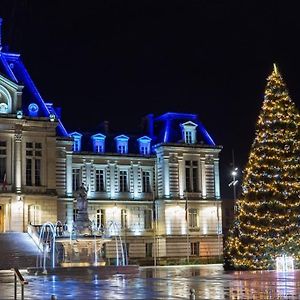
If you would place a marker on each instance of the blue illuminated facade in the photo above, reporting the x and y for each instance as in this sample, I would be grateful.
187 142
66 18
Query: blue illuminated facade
147 182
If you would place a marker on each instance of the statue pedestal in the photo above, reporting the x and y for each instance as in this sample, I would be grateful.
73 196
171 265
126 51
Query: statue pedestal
82 224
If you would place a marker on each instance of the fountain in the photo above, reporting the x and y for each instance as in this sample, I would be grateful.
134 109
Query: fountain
79 244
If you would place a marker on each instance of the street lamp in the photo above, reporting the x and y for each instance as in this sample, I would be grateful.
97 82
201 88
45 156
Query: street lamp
234 182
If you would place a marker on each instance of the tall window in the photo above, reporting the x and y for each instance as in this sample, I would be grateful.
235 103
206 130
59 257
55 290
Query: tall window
191 176
33 164
188 137
123 181
34 214
75 179
146 182
2 160
195 248
123 218
100 181
122 149
149 247
147 219
122 143
144 143
101 218
193 217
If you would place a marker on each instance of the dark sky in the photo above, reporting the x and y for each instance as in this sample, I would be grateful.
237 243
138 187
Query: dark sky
120 60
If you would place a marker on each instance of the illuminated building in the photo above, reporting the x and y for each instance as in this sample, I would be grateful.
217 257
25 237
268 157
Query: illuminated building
172 166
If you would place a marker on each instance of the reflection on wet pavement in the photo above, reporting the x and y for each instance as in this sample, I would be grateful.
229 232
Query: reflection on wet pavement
209 282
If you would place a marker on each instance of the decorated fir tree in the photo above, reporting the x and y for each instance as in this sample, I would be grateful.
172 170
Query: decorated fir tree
267 217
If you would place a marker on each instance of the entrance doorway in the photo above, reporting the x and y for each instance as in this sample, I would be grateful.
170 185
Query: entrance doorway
1 218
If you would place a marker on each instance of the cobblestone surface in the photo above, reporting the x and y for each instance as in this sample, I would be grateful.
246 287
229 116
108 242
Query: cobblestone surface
17 250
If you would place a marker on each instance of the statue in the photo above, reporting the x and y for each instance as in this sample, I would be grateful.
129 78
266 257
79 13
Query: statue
81 198
82 223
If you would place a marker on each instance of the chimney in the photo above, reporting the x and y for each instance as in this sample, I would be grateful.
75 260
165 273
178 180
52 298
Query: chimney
150 122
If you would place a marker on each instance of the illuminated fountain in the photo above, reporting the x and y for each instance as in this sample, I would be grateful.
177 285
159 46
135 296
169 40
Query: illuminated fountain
79 244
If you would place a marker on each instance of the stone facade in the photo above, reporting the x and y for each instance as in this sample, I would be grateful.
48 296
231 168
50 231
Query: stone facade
160 189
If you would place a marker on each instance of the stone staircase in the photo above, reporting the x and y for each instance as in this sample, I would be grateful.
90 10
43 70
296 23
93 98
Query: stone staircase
18 250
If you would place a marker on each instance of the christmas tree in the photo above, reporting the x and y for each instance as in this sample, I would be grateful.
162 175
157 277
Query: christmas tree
267 217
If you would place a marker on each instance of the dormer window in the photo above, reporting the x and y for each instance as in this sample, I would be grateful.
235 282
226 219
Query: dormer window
122 144
144 145
77 141
189 132
98 143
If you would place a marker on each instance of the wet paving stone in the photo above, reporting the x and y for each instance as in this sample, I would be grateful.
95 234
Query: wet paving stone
208 281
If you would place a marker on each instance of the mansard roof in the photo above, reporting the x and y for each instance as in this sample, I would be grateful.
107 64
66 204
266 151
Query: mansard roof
167 128
12 67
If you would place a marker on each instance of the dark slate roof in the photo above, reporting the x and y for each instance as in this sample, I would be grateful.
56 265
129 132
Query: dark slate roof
166 129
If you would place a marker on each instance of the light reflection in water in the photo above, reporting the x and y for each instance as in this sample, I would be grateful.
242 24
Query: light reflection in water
209 282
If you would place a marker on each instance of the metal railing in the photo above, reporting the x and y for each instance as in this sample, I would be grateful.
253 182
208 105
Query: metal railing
18 276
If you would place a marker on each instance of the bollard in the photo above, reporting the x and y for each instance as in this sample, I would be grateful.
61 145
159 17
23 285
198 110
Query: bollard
53 297
192 294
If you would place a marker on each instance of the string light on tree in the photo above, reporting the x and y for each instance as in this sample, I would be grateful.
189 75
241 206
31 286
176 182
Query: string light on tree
267 217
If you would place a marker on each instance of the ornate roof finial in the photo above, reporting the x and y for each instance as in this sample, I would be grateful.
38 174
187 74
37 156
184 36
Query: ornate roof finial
275 69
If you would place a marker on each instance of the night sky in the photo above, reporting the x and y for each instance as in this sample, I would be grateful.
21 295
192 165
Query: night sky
120 60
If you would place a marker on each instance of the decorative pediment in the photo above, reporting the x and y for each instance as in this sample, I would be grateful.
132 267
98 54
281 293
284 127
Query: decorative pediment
98 136
189 124
144 139
75 135
10 96
122 137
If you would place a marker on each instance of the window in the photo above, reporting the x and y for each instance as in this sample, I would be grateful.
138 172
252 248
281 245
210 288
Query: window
144 145
149 251
189 132
122 144
33 174
98 142
123 218
147 219
188 137
75 179
191 176
193 217
123 181
195 248
100 218
34 215
2 161
122 149
144 150
146 182
100 181
76 146
76 141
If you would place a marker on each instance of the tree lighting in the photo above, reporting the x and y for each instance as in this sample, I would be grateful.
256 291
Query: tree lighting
267 214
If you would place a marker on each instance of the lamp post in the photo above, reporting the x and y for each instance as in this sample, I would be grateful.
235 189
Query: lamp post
234 181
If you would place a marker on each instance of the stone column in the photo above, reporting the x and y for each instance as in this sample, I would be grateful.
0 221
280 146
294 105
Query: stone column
203 177
18 161
69 174
217 178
